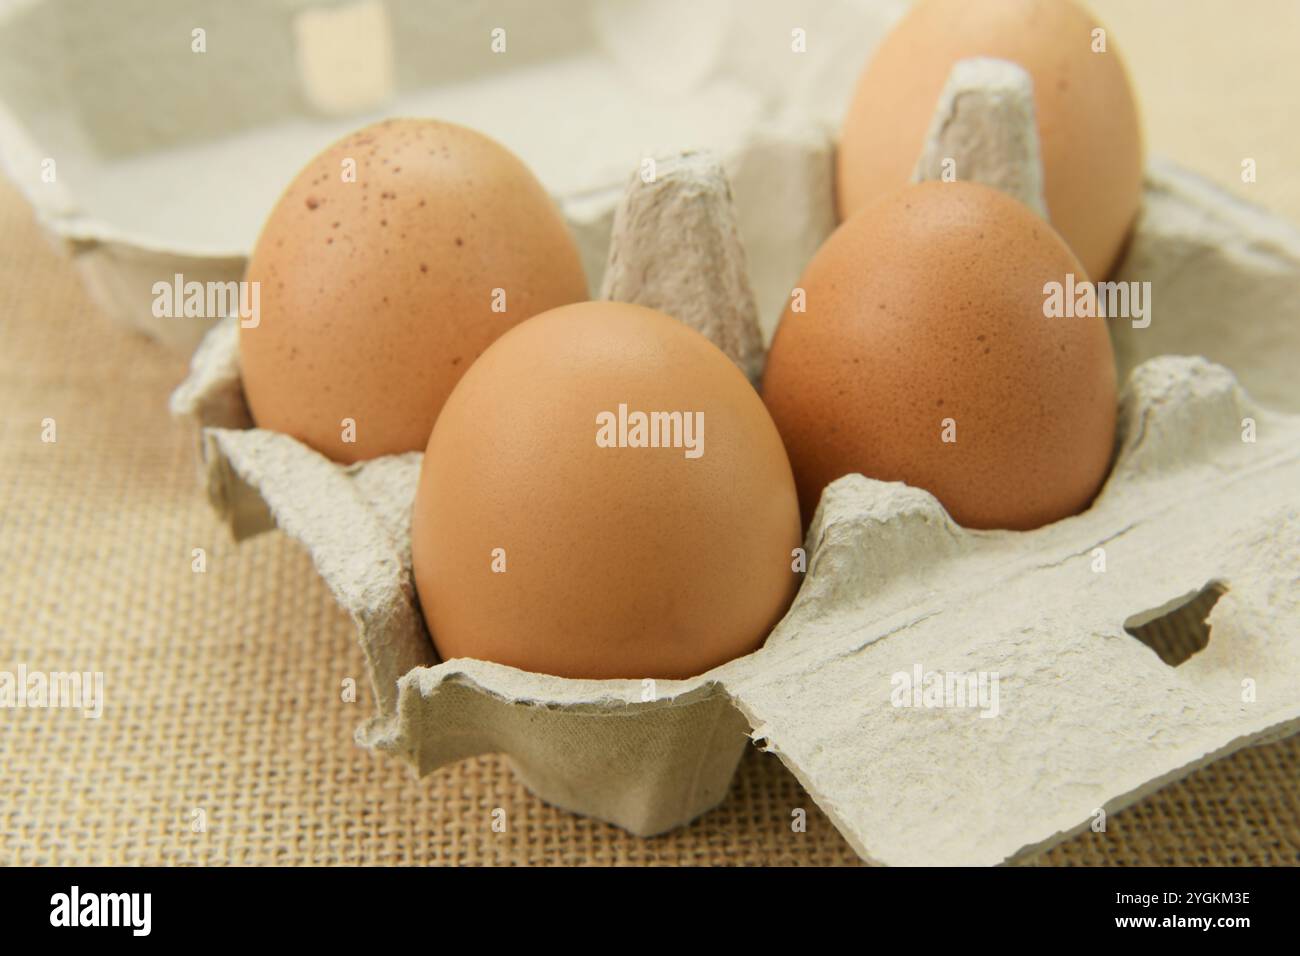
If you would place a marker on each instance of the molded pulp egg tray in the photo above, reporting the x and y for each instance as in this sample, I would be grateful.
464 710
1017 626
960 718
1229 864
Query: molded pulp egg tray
1093 629
1091 712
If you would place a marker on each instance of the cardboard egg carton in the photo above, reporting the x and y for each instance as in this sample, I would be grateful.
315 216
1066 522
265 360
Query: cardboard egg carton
946 696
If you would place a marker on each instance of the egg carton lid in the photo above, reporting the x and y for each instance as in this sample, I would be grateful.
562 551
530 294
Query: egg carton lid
166 157
1071 632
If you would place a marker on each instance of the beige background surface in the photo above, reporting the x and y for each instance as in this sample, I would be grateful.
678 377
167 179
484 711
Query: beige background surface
223 688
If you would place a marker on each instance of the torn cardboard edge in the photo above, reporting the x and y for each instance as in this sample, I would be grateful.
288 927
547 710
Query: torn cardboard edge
891 580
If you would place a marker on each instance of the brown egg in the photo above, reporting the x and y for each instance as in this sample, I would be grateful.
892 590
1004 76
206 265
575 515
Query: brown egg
547 536
379 289
925 322
1087 118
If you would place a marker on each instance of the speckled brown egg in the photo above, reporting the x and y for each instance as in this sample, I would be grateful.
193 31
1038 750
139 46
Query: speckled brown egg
925 355
554 533
1087 119
389 264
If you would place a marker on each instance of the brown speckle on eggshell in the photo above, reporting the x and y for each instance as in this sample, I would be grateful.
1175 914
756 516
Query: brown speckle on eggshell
375 322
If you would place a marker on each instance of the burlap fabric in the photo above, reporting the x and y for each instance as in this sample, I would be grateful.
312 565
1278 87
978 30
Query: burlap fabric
224 700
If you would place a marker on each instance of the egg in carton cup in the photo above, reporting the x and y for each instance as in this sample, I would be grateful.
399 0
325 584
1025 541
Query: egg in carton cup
1120 649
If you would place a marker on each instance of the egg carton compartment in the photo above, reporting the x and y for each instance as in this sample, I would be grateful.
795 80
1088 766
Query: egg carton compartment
165 159
1090 715
1113 679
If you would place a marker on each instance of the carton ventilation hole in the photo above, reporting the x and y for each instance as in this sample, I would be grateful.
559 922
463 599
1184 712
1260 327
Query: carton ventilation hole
1176 633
